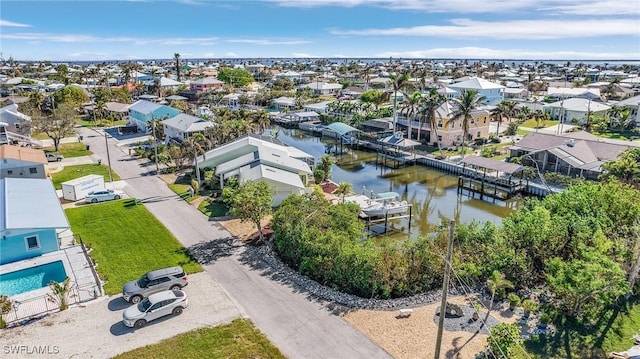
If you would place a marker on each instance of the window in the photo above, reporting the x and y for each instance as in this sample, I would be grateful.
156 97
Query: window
33 170
439 123
17 126
32 242
9 172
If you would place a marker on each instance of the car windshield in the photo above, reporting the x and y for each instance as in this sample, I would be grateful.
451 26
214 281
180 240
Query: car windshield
142 282
144 305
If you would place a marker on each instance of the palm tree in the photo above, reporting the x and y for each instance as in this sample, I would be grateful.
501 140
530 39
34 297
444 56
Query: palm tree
344 188
197 144
176 57
468 102
410 106
398 82
510 109
262 121
430 104
498 114
496 282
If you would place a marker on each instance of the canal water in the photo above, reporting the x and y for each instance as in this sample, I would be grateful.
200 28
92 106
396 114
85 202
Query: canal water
433 194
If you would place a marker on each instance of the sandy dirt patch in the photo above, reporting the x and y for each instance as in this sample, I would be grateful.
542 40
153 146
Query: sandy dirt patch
415 336
242 230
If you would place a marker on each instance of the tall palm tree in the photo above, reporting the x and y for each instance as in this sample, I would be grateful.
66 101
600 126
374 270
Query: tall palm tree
429 107
176 57
498 114
398 82
510 109
468 102
197 144
539 116
410 107
261 119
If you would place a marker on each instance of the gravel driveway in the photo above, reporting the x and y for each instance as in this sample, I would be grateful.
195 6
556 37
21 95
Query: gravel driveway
95 330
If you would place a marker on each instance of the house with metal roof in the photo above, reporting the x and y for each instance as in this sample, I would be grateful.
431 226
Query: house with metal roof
633 104
575 110
22 162
15 121
184 126
31 218
205 84
254 158
572 154
322 88
493 92
142 112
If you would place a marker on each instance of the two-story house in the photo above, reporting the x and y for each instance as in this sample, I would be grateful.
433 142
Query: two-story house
142 112
22 162
493 92
205 84
183 126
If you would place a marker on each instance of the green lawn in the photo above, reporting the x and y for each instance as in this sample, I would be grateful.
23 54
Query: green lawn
213 208
127 241
625 136
533 124
73 172
100 123
238 340
69 150
182 190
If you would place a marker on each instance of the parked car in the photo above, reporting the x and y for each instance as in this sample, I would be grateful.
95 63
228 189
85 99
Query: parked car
173 278
155 306
103 195
52 157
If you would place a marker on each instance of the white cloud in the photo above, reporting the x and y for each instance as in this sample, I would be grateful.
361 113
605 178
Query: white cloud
12 24
267 42
231 54
91 55
516 29
192 2
465 6
200 41
594 8
302 54
487 53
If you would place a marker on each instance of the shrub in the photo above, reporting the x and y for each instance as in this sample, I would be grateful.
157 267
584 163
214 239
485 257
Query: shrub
514 300
195 185
530 306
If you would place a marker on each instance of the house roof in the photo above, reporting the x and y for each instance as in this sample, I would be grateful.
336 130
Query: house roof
290 101
187 123
579 105
631 102
490 164
11 111
399 141
341 128
22 153
164 81
271 174
476 83
30 203
317 85
210 80
305 114
144 106
117 107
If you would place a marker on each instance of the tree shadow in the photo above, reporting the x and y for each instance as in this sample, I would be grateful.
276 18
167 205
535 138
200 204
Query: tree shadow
455 352
211 251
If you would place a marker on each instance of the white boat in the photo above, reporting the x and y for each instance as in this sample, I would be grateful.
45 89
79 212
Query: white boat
386 203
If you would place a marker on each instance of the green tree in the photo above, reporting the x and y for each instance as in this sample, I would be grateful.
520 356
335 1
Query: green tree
496 283
374 97
504 340
5 307
250 201
468 102
60 293
625 168
73 95
398 82
498 114
344 188
176 57
59 125
235 77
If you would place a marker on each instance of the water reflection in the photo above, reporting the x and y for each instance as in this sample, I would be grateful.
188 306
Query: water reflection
433 194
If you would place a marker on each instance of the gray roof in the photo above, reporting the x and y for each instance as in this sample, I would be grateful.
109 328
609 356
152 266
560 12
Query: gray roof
30 203
117 107
341 128
490 164
187 123
144 107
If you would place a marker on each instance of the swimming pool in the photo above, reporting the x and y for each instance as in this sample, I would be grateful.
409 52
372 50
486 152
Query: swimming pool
29 279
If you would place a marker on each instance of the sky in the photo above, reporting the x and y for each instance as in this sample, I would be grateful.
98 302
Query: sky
92 30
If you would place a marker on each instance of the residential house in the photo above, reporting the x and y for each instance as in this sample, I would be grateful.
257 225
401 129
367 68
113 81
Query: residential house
319 107
119 110
572 154
322 88
493 92
255 158
448 93
633 103
15 121
450 132
205 84
32 218
283 104
183 126
142 112
22 162
575 110
563 93
516 93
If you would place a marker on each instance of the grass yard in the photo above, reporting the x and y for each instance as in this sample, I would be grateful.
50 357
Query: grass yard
240 339
213 208
182 190
69 150
533 124
625 136
127 241
73 172
88 122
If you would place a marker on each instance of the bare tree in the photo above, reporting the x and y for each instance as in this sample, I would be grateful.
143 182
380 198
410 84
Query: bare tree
60 124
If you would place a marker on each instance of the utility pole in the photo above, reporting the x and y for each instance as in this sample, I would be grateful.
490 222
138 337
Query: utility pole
106 144
155 145
445 289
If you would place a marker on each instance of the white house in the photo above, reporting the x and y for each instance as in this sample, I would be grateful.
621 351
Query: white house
184 126
255 158
493 92
322 88
633 103
319 107
283 103
16 122
575 109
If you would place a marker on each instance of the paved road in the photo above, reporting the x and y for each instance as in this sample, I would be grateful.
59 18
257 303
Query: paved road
301 328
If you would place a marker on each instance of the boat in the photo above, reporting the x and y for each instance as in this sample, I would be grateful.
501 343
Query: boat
314 126
385 203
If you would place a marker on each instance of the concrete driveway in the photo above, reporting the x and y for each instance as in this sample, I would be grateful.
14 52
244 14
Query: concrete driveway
298 326
95 330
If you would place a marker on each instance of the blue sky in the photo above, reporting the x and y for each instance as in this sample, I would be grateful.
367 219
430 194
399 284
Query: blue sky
489 29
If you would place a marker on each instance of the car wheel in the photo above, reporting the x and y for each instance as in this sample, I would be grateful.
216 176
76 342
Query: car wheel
177 311
59 159
175 287
94 200
116 197
135 299
139 323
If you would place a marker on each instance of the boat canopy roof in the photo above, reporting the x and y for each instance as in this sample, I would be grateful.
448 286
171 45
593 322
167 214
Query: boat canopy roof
384 195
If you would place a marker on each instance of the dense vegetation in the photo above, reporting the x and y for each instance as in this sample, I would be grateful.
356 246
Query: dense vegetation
579 248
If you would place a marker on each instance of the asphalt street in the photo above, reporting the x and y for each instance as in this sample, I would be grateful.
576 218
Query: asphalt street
299 326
